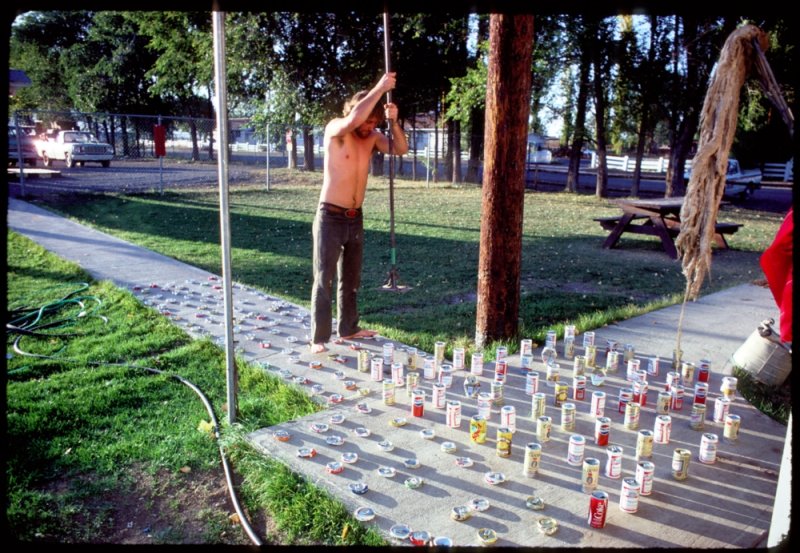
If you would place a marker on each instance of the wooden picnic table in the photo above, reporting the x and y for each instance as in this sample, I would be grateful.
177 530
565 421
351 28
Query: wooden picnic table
656 217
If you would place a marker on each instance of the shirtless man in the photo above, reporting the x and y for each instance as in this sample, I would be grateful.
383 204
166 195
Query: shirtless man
338 228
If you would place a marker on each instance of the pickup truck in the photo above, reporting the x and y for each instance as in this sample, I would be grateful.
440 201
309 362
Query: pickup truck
739 183
74 147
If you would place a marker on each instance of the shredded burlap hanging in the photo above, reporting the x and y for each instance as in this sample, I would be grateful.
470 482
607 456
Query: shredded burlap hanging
707 182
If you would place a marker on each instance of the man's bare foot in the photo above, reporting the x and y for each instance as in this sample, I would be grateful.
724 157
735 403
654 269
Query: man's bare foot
318 348
363 333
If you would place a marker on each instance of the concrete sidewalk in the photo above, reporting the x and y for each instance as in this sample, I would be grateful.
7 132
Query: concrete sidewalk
725 504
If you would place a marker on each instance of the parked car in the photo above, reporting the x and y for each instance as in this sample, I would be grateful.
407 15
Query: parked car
739 183
74 147
28 149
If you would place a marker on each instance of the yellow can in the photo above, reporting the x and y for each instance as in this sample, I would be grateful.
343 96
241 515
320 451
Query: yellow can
503 447
477 429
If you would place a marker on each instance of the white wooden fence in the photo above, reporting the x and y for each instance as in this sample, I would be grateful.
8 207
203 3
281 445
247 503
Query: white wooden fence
776 172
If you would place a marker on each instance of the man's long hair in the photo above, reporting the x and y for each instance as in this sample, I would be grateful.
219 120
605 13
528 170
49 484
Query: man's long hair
377 111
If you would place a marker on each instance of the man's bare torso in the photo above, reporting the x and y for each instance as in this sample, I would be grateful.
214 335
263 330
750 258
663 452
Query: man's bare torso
346 168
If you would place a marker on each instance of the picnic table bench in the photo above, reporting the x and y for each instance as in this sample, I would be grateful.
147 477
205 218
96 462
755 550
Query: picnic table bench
655 217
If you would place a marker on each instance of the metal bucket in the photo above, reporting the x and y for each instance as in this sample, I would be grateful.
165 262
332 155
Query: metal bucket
764 356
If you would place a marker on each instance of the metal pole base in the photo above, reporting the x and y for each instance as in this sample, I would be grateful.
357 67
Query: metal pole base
392 285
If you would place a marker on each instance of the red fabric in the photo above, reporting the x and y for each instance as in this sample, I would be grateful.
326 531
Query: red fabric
776 261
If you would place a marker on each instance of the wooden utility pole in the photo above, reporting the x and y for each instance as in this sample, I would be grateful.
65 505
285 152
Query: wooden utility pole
508 94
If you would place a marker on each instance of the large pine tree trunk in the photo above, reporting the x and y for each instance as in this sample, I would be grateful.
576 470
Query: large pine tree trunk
508 92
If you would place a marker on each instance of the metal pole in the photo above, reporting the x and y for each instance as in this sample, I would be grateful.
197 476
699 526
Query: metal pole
20 159
220 73
266 101
160 168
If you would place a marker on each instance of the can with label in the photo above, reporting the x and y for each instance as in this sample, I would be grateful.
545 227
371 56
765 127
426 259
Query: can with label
429 367
700 392
550 339
703 370
501 352
630 353
533 456
632 411
500 370
728 386
731 429
625 396
653 366
454 414
579 388
676 404
438 353
508 418
602 430
560 394
538 403
590 474
680 463
388 353
591 356
578 366
388 392
438 395
722 406
708 448
662 429
496 389
477 429
552 373
697 417
687 373
629 496
503 443
412 381
568 417
569 347
673 379
588 338
418 402
612 361
458 359
412 359
531 383
577 445
363 361
633 366
526 346
544 425
476 367
644 444
446 375
614 461
397 373
598 507
526 361
662 402
485 405
376 369
598 405
645 471
640 392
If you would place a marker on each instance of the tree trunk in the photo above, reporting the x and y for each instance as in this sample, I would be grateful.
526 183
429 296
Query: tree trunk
455 144
308 150
599 50
508 92
573 172
475 144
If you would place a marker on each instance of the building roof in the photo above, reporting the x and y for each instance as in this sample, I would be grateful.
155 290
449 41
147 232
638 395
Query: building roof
16 80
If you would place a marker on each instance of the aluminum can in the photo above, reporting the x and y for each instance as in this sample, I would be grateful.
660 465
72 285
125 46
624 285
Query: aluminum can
632 412
653 366
708 448
477 429
676 403
625 396
641 375
412 359
722 406
538 403
501 352
591 356
438 353
446 375
560 393
526 362
476 367
550 339
612 361
508 417
388 392
526 347
662 402
579 388
687 373
578 366
458 359
662 429
500 370
697 417
454 414
569 331
577 445
629 496
496 389
429 367
680 463
568 417
438 393
640 392
397 373
632 368
588 338
533 456
569 347
614 461
418 403
730 431
485 405
728 386
363 361
552 373
645 471
531 383
590 474
602 430
700 392
544 425
630 352
503 444
644 444
598 507
376 369
703 370
598 405
673 379
412 381
388 353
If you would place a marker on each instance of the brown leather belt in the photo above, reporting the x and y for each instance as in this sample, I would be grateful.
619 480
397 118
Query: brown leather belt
349 212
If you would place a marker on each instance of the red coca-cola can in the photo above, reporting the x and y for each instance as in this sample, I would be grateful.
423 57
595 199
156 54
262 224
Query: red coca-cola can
602 429
598 507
